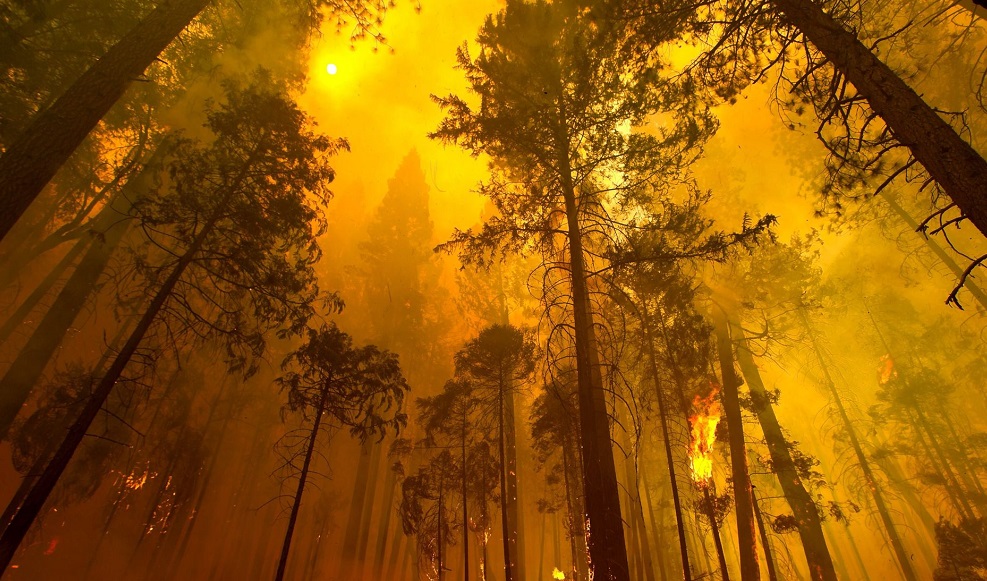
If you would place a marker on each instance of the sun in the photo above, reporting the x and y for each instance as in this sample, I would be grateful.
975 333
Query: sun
331 69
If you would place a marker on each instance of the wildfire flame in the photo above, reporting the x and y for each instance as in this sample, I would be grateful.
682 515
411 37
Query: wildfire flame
704 419
885 370
558 575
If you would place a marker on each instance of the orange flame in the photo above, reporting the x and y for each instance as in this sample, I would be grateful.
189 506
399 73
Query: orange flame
559 575
704 419
885 370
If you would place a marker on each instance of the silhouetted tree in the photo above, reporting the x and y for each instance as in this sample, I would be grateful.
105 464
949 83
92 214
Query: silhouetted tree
357 388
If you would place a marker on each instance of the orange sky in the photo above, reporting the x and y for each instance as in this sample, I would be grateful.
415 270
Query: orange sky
380 102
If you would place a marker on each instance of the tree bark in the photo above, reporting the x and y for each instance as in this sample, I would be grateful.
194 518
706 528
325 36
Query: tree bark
959 169
35 155
804 509
293 518
742 493
505 499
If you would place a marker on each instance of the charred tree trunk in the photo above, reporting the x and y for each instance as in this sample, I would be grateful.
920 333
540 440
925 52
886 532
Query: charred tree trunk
804 509
35 156
882 509
951 161
742 493
293 517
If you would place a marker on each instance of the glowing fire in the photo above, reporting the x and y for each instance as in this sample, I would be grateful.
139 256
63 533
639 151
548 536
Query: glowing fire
705 417
559 575
885 370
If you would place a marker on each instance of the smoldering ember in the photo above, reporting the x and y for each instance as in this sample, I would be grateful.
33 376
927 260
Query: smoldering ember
506 290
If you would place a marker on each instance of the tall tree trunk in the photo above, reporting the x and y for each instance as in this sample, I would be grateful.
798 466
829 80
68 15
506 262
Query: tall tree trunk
31 360
714 528
505 497
896 545
514 514
804 509
951 161
293 517
42 148
366 521
768 557
742 493
35 500
666 437
607 550
466 516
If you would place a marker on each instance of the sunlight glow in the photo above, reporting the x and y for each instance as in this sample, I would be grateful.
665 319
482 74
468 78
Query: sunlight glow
331 69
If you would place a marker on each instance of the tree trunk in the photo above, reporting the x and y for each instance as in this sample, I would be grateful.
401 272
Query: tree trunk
505 498
896 545
466 517
959 169
36 154
380 557
514 514
714 528
742 493
293 517
804 509
666 437
35 500
607 550
768 557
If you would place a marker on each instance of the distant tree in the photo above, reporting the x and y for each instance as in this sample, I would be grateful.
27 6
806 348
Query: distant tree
233 248
357 388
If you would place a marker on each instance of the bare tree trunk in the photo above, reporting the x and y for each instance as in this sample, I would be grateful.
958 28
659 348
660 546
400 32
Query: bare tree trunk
742 493
293 517
666 437
804 509
714 528
952 162
607 549
768 557
505 498
42 148
17 318
941 254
